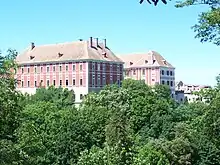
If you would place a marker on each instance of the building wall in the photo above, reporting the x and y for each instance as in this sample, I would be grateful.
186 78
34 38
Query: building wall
104 73
151 76
33 75
82 77
167 77
179 96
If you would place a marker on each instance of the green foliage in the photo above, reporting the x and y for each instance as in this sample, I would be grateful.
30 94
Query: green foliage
59 96
133 124
149 155
208 27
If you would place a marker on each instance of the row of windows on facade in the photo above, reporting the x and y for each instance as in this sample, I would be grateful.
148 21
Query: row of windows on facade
168 73
168 83
54 83
67 68
73 82
144 72
54 69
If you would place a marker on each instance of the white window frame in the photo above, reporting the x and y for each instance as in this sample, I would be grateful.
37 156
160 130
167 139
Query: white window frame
67 65
93 80
98 81
48 70
93 66
28 69
104 67
98 66
54 66
81 65
74 67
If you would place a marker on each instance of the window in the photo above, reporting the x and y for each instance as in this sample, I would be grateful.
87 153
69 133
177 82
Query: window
66 67
103 81
93 66
168 83
54 82
163 82
93 80
81 82
22 83
119 82
111 80
54 68
35 70
41 82
48 69
171 83
41 69
80 68
35 83
28 70
67 82
134 72
103 67
28 83
60 82
153 80
22 70
168 73
74 67
162 72
118 68
98 81
143 71
74 82
81 96
171 73
111 67
48 83
98 67
60 68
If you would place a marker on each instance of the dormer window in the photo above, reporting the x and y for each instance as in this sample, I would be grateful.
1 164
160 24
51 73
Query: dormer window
165 62
31 57
146 61
104 54
131 63
60 54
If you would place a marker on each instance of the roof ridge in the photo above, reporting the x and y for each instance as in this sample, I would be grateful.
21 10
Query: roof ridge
61 43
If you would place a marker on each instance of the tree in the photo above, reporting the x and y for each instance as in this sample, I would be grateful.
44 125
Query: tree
61 97
149 155
49 135
10 108
208 26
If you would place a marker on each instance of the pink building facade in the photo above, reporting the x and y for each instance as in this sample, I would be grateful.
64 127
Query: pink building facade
150 67
83 66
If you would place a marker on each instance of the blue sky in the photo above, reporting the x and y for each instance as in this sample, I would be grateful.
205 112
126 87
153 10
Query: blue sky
127 26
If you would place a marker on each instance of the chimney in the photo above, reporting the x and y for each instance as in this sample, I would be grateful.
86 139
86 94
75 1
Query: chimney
104 42
90 42
32 45
97 42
